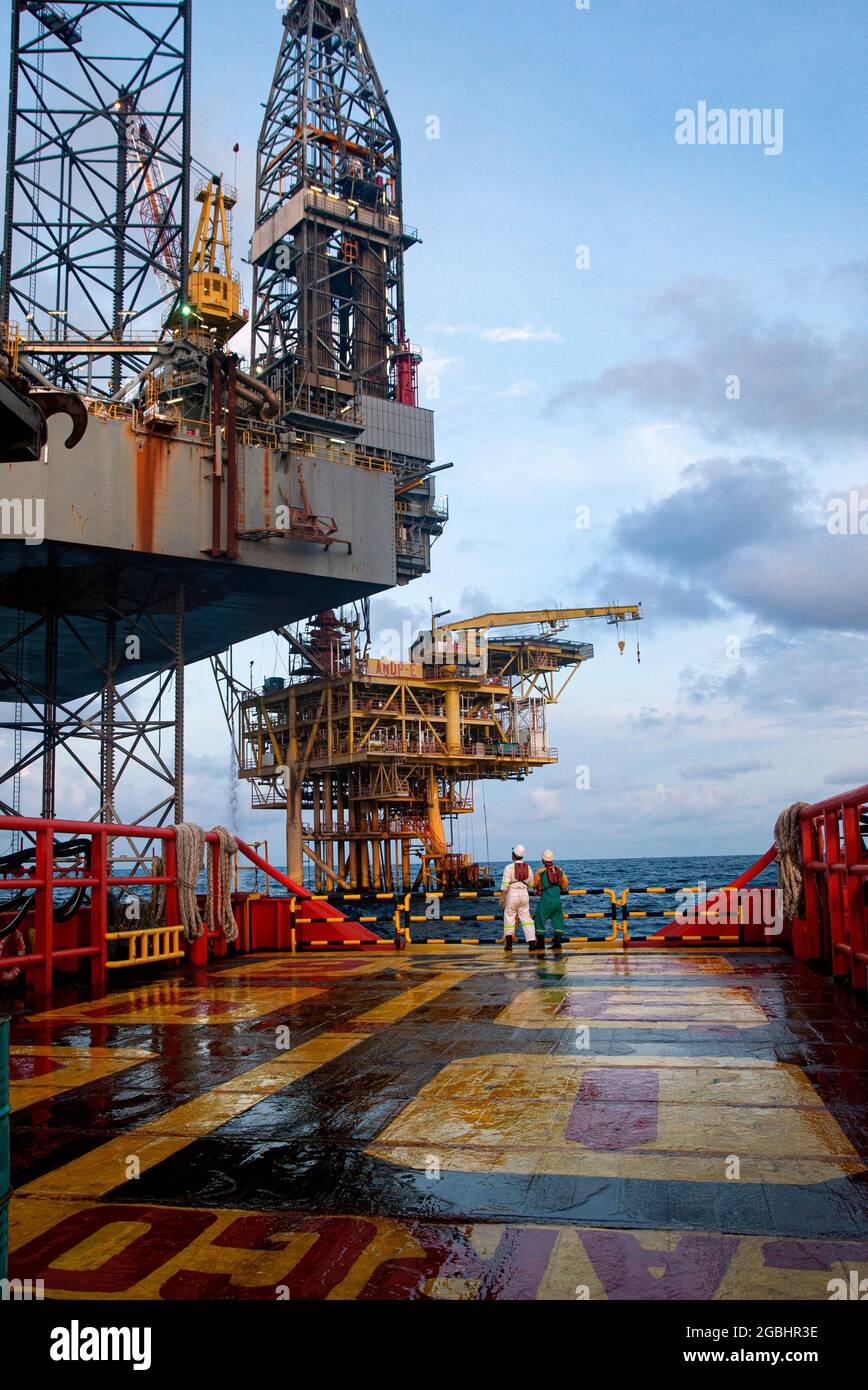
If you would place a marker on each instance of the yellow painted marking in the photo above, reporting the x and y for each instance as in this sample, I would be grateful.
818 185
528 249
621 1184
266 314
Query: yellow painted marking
404 1004
633 1006
172 1001
510 1113
79 1066
106 1167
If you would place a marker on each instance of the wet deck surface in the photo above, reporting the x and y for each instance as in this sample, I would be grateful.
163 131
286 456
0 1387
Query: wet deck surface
449 1123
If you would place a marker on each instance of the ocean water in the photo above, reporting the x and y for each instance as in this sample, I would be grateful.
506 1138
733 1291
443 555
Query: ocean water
672 872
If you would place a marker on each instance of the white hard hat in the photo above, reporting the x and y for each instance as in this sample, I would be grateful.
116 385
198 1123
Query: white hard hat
519 852
548 856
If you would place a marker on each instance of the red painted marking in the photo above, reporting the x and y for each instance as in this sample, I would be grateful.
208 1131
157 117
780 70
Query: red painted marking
169 1231
340 1243
23 1067
615 1108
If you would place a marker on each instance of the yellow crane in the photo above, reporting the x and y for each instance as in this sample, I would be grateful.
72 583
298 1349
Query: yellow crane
214 292
555 619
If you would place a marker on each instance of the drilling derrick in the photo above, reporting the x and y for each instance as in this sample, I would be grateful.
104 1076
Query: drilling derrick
329 326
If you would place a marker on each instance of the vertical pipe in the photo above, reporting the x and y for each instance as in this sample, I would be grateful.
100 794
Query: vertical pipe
406 884
187 7
179 704
120 230
217 473
170 869
49 718
317 832
44 911
11 137
99 909
107 732
231 465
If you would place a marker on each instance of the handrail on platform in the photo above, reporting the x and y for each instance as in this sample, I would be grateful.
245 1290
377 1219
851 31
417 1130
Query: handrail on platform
834 927
144 946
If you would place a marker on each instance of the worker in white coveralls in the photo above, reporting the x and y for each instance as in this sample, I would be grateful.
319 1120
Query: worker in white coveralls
514 894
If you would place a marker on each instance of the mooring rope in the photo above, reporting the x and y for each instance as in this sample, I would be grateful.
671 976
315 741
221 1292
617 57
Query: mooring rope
190 857
788 843
157 905
222 917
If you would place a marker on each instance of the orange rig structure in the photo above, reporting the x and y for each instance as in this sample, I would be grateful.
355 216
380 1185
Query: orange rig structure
372 758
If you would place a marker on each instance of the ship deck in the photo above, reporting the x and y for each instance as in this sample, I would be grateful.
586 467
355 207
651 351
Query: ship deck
448 1123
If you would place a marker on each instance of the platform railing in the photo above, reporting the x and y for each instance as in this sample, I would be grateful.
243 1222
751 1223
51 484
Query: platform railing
834 928
145 946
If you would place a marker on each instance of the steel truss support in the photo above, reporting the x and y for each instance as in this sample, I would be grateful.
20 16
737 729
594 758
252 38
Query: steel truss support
97 184
120 746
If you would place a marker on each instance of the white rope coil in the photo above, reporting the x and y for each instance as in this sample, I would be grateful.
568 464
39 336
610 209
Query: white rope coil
788 843
220 916
190 860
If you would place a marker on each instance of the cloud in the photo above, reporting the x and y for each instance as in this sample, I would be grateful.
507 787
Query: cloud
519 389
796 382
501 333
723 772
749 534
525 334
546 804
790 679
650 720
856 775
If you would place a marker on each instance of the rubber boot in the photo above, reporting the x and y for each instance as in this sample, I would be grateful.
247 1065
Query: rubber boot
557 942
507 945
541 944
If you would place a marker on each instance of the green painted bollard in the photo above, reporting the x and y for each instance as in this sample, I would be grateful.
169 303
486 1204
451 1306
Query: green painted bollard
4 1147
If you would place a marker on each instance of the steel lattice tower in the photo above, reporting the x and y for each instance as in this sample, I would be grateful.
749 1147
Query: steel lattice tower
328 248
97 190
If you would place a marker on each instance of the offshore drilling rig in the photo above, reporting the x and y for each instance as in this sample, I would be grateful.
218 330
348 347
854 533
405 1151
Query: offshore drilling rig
195 503
380 754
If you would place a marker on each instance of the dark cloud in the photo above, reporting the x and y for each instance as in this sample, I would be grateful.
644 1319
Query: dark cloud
790 678
797 382
856 775
747 535
722 506
650 720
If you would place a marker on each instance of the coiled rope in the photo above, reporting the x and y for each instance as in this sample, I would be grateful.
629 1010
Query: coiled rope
791 876
190 858
221 916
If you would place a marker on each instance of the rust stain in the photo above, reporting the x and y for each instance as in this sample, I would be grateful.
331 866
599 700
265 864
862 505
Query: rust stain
152 458
266 486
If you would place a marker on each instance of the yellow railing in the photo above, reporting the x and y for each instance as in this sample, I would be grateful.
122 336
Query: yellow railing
10 337
151 946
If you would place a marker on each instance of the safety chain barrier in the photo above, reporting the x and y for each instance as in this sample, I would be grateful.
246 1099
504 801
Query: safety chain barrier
403 919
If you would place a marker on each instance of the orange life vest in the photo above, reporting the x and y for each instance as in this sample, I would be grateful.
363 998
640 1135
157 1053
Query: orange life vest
522 872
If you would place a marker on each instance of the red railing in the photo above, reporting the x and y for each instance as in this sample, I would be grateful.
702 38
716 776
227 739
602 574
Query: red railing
834 929
57 944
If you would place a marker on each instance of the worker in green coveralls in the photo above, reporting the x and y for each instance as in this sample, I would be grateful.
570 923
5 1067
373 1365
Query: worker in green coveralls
551 883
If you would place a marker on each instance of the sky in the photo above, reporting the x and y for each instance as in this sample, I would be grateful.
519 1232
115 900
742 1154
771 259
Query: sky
648 363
